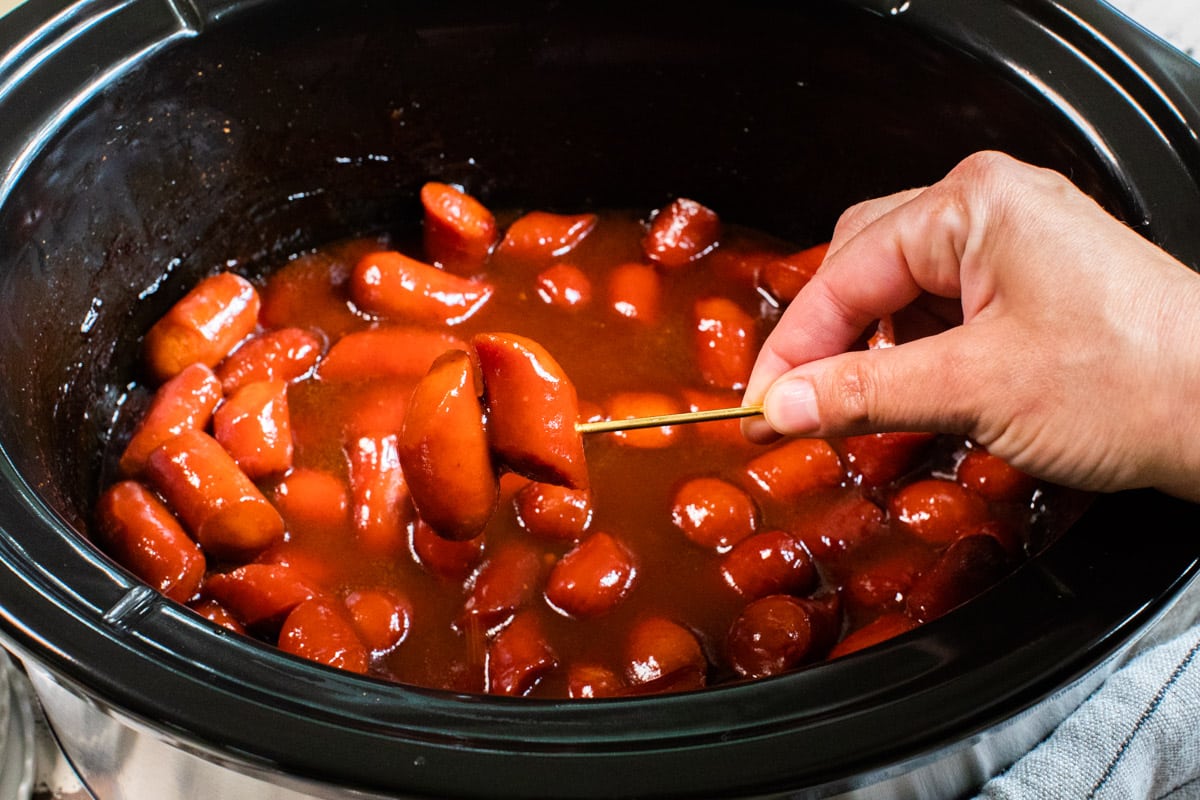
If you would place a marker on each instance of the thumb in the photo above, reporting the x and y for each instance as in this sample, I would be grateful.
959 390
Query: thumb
921 385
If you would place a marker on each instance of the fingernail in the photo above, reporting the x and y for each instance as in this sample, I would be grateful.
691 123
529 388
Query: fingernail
791 407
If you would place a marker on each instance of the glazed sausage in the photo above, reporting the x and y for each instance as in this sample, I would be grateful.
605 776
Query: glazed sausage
532 410
382 617
726 432
663 656
840 525
459 231
202 327
311 499
785 277
443 557
592 680
553 512
222 508
726 342
444 450
937 510
592 578
770 562
564 286
396 351
141 533
967 567
780 632
787 471
506 583
993 478
713 513
541 235
319 631
390 284
379 501
518 657
184 402
680 233
254 427
282 355
884 627
260 595
631 405
875 459
216 613
635 292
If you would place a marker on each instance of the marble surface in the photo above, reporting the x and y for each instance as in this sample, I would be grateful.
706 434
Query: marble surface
1177 21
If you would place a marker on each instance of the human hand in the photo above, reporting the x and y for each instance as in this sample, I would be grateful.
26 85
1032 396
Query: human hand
1078 354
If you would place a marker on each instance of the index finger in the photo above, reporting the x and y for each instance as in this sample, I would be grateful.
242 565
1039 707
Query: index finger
913 242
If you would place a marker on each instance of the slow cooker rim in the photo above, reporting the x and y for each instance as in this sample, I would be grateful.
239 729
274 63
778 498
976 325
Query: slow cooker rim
30 584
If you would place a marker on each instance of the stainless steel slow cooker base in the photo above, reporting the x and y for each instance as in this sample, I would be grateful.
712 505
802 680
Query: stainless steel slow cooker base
16 733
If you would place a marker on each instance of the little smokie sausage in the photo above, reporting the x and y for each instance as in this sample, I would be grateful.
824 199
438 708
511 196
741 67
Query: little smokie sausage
780 632
444 451
282 355
203 327
593 577
518 657
541 235
260 595
680 233
379 497
553 512
713 513
391 284
784 277
382 617
446 558
726 342
459 231
222 507
663 656
319 631
532 410
141 533
184 402
254 427
507 582
395 351
875 459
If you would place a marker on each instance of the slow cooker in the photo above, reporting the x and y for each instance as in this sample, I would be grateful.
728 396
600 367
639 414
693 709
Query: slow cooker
147 142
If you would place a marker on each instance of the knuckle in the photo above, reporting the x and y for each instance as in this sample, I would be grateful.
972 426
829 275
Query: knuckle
853 393
856 217
986 162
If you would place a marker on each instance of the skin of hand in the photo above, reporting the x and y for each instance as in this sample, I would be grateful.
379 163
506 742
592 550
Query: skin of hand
1078 354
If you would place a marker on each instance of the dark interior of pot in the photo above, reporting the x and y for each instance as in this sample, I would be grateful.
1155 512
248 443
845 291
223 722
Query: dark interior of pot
275 130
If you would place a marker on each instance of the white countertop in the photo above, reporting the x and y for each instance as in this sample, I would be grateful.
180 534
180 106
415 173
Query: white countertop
1177 21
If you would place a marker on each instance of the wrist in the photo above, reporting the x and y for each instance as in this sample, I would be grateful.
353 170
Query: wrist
1174 431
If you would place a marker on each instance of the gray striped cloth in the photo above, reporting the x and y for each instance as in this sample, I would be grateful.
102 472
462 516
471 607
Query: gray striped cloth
1137 736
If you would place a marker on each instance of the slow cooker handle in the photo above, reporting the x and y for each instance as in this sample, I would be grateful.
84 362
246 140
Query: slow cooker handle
1174 73
49 52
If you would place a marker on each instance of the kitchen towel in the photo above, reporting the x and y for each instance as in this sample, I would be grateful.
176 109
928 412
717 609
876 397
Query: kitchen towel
1137 736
